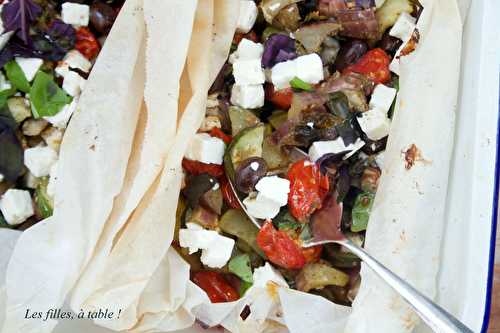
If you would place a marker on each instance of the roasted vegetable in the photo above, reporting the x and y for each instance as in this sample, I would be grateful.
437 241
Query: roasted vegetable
241 119
312 36
319 275
216 286
212 200
361 211
388 14
235 222
273 155
44 203
248 143
277 118
203 217
240 266
278 48
197 186
271 8
288 18
248 173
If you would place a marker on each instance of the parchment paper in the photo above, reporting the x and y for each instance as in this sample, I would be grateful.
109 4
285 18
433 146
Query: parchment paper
50 256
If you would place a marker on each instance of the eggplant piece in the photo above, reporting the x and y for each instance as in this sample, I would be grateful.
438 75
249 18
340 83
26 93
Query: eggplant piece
319 275
12 155
203 217
313 35
212 200
241 119
236 223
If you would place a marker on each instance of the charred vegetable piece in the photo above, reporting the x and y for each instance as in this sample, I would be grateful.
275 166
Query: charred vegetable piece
248 143
308 189
212 200
235 222
271 8
279 248
288 18
228 194
44 203
282 99
240 266
277 118
197 186
12 155
388 14
241 119
218 133
216 286
248 174
312 36
273 155
374 64
338 104
361 211
350 52
203 217
320 275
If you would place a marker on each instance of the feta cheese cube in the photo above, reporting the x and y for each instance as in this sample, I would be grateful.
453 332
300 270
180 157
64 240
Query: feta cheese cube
206 149
282 73
337 146
39 160
75 14
247 50
73 59
216 249
73 83
16 206
267 273
247 16
248 96
310 68
29 66
19 108
404 27
274 188
248 72
382 97
261 208
61 119
375 124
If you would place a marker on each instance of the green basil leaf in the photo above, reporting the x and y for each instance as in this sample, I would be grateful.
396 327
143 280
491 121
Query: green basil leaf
361 211
42 200
16 76
46 97
244 286
240 266
297 83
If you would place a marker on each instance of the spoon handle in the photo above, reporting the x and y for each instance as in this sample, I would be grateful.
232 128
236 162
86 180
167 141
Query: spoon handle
438 319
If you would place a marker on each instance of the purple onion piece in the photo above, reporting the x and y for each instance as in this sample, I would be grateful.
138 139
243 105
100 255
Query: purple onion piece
278 48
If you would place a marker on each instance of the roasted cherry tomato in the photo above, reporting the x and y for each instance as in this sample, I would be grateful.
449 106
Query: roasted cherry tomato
279 248
217 133
312 254
308 188
251 35
216 287
282 99
228 194
374 64
86 43
197 168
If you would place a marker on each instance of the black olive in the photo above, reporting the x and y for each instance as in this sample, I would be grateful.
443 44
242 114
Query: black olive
249 172
102 17
11 155
350 53
389 44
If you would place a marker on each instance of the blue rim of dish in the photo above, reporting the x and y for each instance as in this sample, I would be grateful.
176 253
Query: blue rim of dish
494 222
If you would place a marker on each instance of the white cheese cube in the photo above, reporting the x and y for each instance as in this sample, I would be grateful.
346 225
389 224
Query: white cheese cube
73 83
216 249
248 72
404 27
375 124
248 96
274 189
382 97
261 208
16 206
29 66
4 83
310 68
247 50
75 14
282 73
247 16
39 160
263 275
73 59
337 146
206 149
61 119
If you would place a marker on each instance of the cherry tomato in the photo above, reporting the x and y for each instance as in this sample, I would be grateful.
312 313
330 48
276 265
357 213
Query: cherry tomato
216 287
374 64
308 188
279 248
282 99
312 254
228 194
197 168
86 43
251 35
217 133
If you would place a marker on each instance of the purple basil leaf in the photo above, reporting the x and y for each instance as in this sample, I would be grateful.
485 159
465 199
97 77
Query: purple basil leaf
17 15
278 48
56 42
17 48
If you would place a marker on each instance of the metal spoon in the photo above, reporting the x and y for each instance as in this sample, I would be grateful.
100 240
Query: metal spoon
327 230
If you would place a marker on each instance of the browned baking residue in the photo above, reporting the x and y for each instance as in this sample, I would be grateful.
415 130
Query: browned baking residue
411 156
272 289
411 45
92 147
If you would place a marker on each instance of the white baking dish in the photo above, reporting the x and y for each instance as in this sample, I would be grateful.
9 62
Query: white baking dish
468 248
